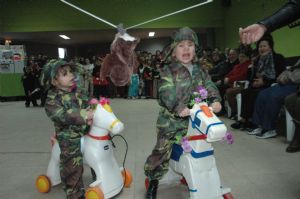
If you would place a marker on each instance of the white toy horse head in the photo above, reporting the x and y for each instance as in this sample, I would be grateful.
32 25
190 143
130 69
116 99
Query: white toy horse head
204 122
104 118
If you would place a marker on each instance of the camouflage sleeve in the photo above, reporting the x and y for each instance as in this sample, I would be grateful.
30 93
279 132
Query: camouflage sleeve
64 116
213 92
84 96
167 92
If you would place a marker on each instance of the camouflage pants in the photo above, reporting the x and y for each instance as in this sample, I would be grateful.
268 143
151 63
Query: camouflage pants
71 166
157 164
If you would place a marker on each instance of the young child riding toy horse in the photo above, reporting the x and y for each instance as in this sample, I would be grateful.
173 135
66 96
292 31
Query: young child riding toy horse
179 79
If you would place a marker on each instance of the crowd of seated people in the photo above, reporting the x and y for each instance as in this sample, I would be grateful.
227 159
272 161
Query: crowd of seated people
263 97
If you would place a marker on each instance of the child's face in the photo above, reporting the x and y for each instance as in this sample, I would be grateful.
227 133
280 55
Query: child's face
64 79
184 52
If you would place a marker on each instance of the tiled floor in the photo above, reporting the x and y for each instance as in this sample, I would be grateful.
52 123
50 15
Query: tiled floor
254 169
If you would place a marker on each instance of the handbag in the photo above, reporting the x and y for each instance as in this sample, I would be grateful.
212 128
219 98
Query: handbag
289 76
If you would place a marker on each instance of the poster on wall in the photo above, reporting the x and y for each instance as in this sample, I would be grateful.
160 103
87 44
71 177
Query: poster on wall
12 58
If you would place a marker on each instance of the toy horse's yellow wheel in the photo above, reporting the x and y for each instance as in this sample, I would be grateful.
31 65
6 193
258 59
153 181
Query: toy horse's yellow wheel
127 177
43 184
94 193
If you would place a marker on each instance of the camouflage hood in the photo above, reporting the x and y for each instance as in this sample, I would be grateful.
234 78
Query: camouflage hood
50 70
182 34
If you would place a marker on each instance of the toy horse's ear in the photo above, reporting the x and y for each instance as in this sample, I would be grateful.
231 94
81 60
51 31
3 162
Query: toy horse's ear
105 104
107 108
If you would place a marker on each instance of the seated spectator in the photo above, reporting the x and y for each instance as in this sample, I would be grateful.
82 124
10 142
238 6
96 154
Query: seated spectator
206 65
263 74
268 105
220 70
238 73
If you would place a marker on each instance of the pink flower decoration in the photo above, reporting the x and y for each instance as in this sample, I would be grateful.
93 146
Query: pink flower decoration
93 101
186 145
203 93
104 101
229 137
197 100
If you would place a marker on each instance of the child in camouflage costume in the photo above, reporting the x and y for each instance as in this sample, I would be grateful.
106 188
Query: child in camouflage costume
67 106
179 80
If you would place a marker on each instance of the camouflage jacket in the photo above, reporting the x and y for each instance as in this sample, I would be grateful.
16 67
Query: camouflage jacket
175 89
68 111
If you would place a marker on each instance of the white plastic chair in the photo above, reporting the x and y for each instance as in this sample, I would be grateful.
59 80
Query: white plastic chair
290 126
239 97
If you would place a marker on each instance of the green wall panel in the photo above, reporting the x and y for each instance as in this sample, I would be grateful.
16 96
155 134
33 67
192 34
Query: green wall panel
53 15
11 85
244 12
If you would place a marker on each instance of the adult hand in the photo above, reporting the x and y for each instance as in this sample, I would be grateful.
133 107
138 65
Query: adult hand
216 107
252 33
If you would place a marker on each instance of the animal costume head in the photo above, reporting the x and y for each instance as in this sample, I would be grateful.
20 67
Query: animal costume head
122 61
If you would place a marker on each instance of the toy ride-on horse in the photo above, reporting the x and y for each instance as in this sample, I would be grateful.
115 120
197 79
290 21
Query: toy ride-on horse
98 154
193 160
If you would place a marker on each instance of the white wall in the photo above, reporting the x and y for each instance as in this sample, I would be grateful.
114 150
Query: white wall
151 45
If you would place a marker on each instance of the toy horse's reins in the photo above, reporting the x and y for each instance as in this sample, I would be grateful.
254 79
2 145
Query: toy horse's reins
107 136
196 137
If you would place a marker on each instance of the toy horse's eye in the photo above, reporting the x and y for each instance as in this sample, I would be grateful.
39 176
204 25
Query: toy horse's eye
197 121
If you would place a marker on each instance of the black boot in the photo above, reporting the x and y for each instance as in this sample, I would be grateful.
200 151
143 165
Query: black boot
295 143
152 189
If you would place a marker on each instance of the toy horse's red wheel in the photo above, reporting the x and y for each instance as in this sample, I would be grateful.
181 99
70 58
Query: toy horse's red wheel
183 181
147 183
43 184
228 196
127 177
94 193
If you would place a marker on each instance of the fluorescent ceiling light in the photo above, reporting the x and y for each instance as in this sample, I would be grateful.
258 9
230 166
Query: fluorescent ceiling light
151 34
64 37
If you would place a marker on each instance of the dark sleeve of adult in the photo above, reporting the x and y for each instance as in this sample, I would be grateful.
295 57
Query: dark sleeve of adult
285 15
280 63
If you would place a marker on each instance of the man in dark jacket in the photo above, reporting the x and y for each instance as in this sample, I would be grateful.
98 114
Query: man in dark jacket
285 15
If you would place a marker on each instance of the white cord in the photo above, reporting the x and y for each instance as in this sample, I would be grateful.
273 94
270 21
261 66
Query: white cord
167 15
86 12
